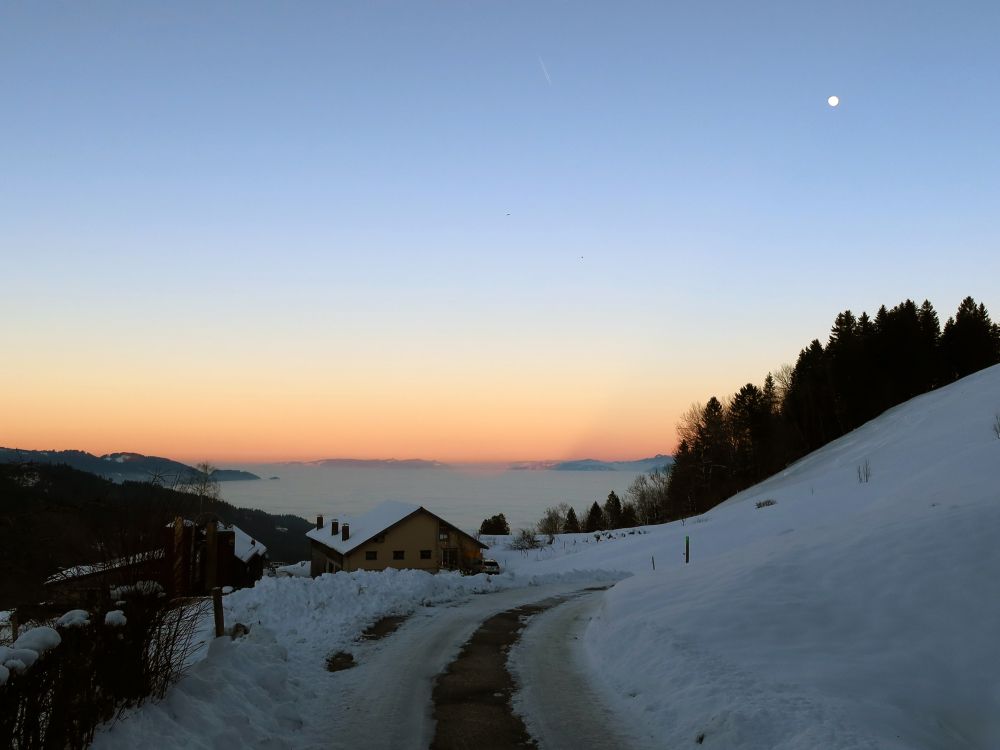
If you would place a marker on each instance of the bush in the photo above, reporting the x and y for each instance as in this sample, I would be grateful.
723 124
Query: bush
766 503
864 472
103 664
525 539
996 426
553 520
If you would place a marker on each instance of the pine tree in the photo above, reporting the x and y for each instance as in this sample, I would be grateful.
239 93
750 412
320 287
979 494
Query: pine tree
572 524
595 519
495 525
613 511
629 518
971 341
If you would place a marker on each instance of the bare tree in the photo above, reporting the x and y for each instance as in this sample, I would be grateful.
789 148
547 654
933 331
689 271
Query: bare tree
201 483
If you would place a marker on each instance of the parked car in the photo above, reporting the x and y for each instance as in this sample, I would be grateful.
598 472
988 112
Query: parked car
491 566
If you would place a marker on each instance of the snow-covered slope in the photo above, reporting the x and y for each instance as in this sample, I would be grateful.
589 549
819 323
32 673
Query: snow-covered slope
846 615
849 614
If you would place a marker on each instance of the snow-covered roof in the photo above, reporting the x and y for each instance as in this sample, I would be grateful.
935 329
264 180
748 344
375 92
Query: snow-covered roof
246 546
363 527
78 571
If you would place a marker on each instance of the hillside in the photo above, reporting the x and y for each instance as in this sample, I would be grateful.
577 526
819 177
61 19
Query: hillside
53 516
121 467
848 614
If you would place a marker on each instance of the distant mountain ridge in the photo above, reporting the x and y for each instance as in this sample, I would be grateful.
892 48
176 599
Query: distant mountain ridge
643 465
120 467
375 463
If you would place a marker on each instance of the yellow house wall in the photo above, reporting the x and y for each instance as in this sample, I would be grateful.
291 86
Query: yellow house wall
320 556
418 532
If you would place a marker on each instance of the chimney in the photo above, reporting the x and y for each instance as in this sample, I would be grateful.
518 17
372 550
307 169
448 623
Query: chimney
319 522
334 527
345 532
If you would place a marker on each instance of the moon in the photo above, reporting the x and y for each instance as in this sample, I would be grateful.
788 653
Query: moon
833 101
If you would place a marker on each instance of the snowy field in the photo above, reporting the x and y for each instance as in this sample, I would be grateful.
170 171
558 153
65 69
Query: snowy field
846 615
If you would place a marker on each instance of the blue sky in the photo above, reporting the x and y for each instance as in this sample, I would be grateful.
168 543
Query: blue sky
652 201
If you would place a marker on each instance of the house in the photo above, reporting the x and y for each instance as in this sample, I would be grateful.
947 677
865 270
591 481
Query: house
392 535
195 557
200 556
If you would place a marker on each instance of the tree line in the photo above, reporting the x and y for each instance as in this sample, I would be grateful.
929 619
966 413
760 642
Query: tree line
867 366
641 507
726 445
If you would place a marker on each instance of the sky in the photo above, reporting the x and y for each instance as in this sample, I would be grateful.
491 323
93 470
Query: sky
467 231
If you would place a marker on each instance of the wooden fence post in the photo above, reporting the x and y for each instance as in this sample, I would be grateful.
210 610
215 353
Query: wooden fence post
14 625
220 623
687 549
212 550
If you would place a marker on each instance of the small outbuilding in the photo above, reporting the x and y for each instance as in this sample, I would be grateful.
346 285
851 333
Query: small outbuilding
209 553
392 535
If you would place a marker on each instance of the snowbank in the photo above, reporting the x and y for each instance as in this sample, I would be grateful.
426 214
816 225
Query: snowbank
271 688
75 618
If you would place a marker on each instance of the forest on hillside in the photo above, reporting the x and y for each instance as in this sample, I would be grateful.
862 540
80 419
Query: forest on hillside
54 516
867 366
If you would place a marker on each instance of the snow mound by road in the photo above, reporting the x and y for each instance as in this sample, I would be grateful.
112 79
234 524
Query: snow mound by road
271 688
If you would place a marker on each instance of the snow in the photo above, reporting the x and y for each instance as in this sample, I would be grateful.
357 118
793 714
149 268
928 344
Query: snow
27 649
39 639
299 569
75 618
271 688
103 567
115 619
141 588
846 616
246 546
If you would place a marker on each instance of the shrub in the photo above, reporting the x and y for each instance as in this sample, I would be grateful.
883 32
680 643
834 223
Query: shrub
996 426
105 662
766 503
864 472
525 539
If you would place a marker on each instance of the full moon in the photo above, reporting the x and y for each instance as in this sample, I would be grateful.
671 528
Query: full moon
833 101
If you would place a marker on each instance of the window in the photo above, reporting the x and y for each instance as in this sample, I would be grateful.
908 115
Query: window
425 554
379 539
371 555
398 554
442 533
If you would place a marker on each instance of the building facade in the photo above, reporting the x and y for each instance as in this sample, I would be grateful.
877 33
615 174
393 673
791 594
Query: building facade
392 535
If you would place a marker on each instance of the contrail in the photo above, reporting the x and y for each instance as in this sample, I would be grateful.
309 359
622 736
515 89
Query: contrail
544 69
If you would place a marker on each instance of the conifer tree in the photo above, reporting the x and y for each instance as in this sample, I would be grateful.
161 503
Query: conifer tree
613 511
971 341
495 525
571 525
595 519
629 518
